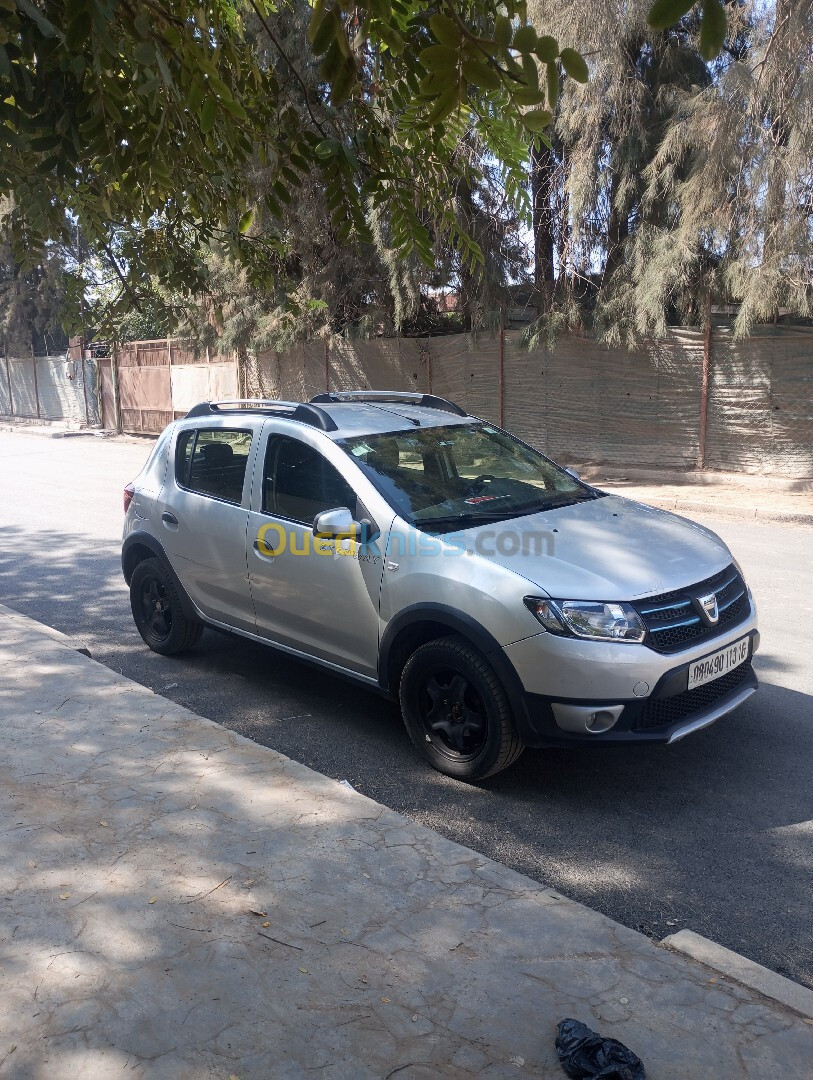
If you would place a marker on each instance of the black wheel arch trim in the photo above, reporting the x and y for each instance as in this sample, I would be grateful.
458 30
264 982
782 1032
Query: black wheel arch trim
147 540
457 622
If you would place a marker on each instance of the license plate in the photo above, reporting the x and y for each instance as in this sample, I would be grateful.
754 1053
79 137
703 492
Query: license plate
724 660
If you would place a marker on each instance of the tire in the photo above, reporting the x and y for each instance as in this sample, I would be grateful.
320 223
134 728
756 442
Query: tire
456 711
165 629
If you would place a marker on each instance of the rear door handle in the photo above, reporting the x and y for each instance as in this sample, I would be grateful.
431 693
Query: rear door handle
169 519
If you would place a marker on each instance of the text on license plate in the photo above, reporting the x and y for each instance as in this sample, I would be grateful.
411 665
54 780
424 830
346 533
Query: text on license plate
712 667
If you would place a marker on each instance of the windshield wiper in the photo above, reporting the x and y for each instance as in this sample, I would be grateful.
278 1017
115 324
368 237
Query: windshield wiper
468 521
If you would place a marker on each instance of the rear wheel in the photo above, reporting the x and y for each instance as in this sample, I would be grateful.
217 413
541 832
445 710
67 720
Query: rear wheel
456 711
157 611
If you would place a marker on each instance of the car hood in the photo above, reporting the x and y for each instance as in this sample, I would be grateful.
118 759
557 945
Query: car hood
609 548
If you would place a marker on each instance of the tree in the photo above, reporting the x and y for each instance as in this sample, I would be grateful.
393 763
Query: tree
675 180
736 167
31 304
150 117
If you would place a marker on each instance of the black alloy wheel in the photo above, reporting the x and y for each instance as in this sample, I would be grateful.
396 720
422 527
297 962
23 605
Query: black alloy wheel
155 602
456 710
452 711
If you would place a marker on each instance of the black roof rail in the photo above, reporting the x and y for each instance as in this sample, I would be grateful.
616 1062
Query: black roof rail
296 410
426 401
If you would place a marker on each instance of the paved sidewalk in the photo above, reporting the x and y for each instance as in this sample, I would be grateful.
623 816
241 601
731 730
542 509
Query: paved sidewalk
179 902
736 496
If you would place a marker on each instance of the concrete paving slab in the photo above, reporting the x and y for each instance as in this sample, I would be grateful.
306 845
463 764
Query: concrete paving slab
179 902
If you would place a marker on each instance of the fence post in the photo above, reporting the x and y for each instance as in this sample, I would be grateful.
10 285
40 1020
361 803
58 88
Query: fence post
704 386
10 395
114 378
36 384
327 367
85 391
502 372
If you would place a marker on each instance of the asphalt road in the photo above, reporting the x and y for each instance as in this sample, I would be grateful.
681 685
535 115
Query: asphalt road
714 834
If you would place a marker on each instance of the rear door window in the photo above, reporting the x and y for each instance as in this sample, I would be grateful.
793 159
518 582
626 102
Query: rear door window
212 461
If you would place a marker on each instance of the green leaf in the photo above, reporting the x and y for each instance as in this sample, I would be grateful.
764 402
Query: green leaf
530 72
537 120
144 52
547 49
525 39
246 221
665 13
233 107
344 84
575 65
79 31
340 35
316 20
502 31
196 94
327 148
479 74
524 95
438 58
45 27
445 30
712 29
324 35
446 103
208 115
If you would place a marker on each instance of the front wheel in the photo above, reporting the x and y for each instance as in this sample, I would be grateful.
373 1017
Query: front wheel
157 611
456 711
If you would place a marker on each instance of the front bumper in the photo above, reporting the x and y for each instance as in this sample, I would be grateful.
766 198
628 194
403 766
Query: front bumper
667 713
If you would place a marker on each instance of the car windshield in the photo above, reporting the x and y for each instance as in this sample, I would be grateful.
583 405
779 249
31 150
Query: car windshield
446 478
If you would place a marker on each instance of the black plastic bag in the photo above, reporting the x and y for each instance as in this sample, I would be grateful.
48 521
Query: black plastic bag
584 1055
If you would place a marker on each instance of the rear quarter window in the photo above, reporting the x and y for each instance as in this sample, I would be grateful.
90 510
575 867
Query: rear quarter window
213 461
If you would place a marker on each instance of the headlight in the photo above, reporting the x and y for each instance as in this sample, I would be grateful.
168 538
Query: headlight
585 619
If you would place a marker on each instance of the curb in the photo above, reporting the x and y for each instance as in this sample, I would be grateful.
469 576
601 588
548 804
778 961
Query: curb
766 982
56 635
53 431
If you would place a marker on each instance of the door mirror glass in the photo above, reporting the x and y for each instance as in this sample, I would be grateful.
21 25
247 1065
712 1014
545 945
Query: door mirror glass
337 524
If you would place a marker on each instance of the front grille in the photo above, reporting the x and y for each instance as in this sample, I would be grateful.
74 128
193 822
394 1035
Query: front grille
672 619
664 712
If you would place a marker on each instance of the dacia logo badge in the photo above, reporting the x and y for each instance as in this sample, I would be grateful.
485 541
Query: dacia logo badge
709 609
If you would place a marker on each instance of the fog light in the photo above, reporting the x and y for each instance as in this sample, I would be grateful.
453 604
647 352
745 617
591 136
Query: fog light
602 720
585 719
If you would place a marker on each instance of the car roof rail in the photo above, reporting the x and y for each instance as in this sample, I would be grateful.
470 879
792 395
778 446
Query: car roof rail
295 410
426 401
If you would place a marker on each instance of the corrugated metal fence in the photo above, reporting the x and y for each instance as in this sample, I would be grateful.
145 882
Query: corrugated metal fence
585 402
579 402
50 388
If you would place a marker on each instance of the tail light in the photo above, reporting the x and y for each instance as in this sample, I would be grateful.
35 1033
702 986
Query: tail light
129 491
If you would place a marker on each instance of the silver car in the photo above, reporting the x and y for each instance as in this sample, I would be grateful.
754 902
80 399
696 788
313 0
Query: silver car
398 541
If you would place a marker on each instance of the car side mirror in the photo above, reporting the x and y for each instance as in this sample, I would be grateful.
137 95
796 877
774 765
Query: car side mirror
337 524
573 473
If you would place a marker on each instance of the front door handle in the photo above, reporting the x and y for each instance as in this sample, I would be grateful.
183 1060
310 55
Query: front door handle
261 553
169 519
